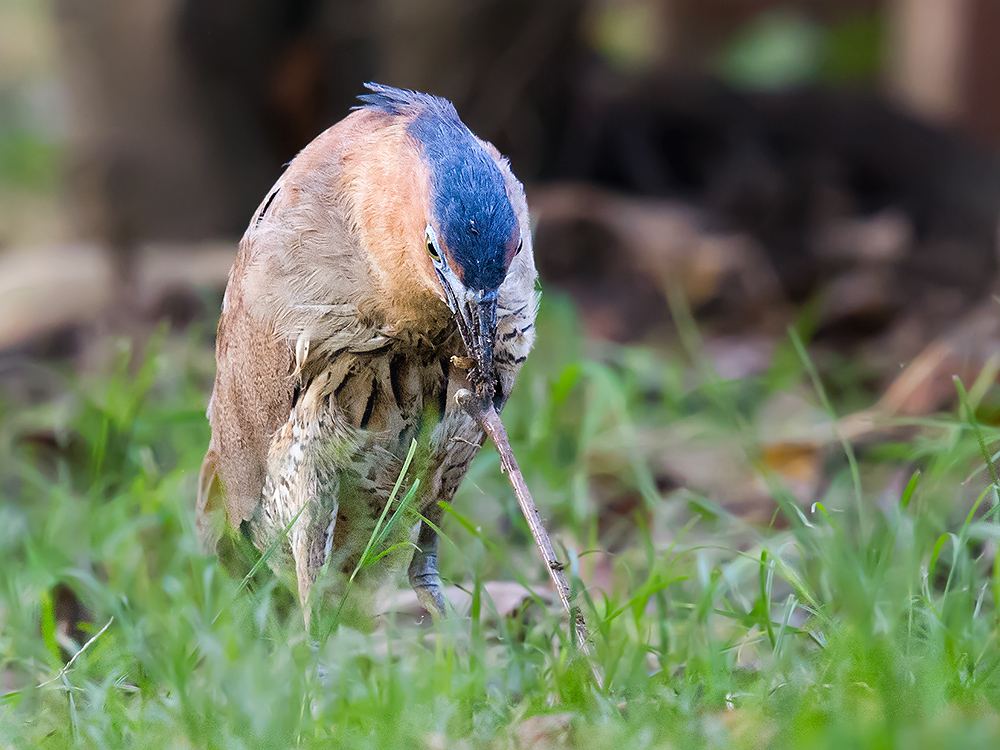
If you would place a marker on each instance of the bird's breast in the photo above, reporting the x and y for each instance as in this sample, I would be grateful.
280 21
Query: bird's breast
344 445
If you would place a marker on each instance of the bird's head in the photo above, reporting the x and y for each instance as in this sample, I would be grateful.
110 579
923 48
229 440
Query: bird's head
472 232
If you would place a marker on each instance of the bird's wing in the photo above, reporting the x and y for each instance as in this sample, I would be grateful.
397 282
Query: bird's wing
251 399
294 291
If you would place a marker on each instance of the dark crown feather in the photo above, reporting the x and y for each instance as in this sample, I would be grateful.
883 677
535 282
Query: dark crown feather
394 101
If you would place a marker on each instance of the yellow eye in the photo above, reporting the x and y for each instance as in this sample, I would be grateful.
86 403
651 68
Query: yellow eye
432 250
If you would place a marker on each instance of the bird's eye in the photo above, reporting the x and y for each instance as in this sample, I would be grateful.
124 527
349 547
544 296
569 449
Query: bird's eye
432 250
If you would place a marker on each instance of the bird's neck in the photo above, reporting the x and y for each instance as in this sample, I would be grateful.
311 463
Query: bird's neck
388 192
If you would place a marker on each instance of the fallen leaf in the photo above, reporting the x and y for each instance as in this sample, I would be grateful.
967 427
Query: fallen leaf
544 730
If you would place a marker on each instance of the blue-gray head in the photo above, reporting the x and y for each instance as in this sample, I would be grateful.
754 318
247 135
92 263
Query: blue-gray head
472 234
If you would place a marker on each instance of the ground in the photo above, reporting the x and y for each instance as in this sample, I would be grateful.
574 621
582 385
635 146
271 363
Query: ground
742 590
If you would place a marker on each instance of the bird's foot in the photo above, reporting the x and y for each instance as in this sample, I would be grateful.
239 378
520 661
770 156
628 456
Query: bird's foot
426 584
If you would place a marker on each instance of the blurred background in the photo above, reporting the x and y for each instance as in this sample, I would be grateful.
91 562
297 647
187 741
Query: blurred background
756 154
831 165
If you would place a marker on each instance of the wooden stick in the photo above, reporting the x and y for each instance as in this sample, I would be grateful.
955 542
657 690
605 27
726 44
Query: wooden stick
486 416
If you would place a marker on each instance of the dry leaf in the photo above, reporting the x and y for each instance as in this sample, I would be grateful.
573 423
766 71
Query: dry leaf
544 730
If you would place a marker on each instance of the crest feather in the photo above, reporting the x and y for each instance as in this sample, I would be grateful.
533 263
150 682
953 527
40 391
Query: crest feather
395 101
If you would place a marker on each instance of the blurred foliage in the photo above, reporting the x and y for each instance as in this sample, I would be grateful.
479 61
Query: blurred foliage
32 125
775 51
628 35
28 161
782 49
865 620
854 51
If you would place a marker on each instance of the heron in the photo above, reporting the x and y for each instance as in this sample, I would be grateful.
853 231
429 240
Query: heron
389 268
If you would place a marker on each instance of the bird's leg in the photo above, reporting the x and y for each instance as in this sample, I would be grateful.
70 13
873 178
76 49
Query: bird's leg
424 576
310 547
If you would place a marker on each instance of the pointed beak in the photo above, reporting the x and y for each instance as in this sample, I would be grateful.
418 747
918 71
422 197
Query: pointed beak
478 328
475 312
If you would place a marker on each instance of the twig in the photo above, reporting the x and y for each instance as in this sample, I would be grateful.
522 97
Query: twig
486 416
83 648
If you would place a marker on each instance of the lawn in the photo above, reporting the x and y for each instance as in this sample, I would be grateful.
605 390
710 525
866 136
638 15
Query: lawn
736 611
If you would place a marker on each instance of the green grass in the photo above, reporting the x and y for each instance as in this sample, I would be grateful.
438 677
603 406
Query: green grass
868 619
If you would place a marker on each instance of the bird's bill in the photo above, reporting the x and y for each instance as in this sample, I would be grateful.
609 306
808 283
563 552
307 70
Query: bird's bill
480 317
475 312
